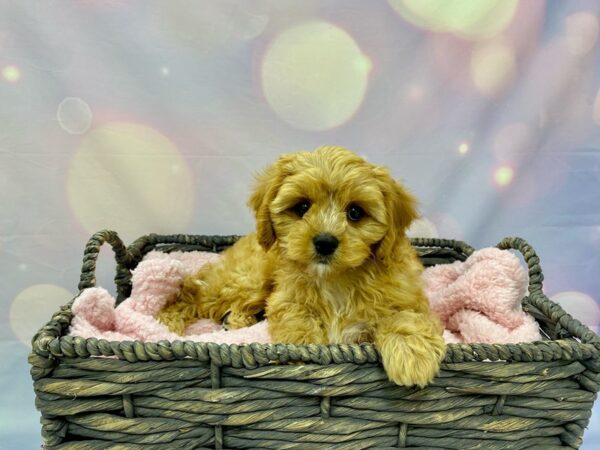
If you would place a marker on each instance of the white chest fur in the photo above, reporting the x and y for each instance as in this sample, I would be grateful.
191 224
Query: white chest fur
337 300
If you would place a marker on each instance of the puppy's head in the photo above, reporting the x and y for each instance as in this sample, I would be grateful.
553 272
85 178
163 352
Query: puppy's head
329 210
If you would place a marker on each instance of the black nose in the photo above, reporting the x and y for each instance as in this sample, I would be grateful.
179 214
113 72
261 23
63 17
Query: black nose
325 244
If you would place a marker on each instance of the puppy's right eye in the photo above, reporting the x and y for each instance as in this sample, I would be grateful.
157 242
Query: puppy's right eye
301 207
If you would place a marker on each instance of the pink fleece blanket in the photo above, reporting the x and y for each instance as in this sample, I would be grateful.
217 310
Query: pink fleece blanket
478 300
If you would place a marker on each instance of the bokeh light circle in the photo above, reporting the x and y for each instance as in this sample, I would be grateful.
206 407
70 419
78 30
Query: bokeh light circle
493 67
415 92
466 18
581 306
448 226
11 73
33 307
581 32
131 178
503 175
422 228
74 115
314 76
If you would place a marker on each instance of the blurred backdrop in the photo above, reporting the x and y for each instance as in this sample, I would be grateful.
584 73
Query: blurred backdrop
152 116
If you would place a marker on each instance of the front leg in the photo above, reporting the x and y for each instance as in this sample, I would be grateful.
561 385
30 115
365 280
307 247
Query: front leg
185 310
411 346
292 322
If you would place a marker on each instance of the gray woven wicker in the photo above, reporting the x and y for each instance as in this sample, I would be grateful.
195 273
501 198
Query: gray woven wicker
96 394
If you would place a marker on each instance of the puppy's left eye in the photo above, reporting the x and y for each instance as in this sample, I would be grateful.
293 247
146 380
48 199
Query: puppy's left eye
355 213
301 207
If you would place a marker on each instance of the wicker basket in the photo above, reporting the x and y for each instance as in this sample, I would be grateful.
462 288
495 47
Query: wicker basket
96 394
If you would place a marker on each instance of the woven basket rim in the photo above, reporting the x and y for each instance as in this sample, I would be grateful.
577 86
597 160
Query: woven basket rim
50 342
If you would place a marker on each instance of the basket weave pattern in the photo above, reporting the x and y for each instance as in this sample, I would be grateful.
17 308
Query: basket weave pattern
190 395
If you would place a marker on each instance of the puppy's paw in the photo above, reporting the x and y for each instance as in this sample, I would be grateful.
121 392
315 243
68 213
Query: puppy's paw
412 360
235 320
176 319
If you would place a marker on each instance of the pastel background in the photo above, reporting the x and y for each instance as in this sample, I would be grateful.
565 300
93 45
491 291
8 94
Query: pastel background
152 116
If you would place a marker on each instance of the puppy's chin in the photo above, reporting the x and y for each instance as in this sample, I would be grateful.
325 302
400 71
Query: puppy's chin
320 269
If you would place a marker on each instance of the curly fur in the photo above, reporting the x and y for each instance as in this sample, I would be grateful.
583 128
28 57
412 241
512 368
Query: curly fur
368 290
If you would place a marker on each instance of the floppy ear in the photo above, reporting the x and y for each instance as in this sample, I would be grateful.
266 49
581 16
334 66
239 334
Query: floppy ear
401 210
267 185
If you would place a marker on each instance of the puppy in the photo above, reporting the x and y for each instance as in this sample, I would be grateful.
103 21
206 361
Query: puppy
329 263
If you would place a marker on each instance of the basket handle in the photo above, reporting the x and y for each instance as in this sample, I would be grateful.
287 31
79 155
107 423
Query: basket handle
536 277
556 315
90 258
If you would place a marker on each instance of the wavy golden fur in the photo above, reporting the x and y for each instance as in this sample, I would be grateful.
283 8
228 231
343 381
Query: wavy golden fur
364 287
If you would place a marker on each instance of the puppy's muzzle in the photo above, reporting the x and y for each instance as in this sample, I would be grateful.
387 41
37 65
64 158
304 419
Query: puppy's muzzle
325 244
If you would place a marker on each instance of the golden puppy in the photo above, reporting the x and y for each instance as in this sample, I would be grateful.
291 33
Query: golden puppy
329 263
